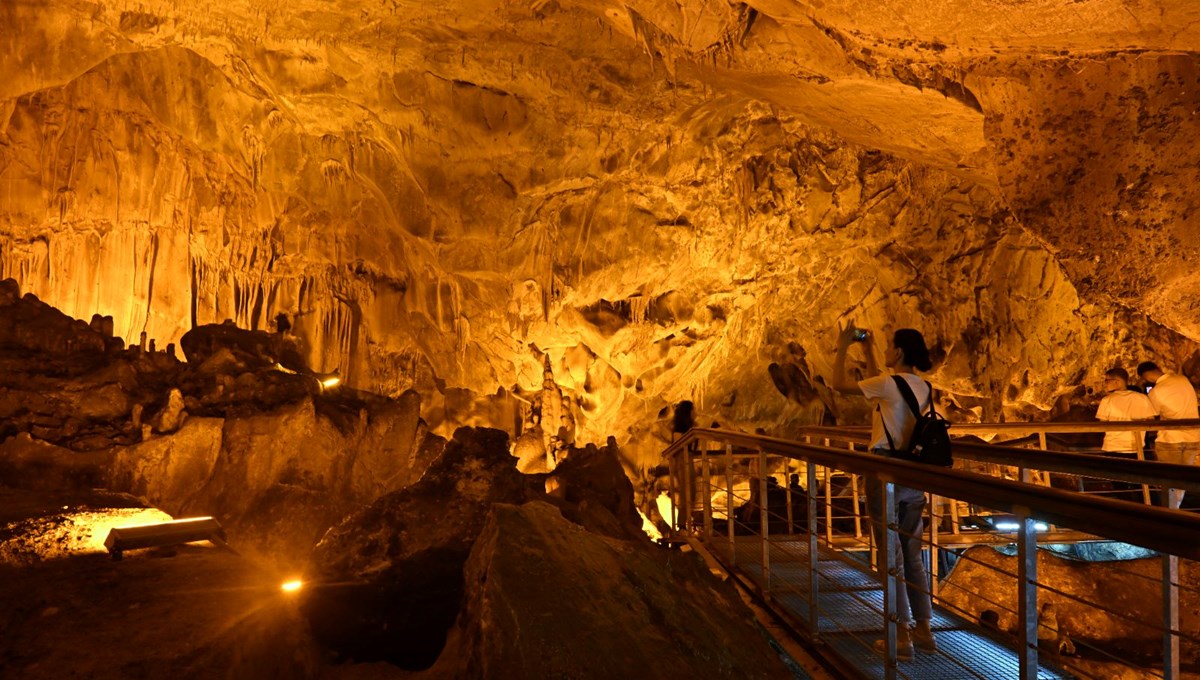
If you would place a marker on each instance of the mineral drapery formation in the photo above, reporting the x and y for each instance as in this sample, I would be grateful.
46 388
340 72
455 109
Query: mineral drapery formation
655 200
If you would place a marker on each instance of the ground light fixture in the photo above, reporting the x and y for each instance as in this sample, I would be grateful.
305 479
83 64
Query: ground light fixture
160 534
1000 523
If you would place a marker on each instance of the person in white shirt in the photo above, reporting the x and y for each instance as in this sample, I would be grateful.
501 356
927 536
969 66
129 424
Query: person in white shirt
893 418
1122 404
1174 398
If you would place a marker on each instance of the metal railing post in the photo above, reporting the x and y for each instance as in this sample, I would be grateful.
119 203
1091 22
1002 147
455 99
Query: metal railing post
814 560
828 505
706 473
730 520
1170 595
933 547
887 570
764 520
688 478
1027 597
672 471
1041 477
854 494
787 484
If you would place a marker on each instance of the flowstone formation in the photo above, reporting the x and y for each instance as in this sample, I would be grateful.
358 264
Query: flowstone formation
647 201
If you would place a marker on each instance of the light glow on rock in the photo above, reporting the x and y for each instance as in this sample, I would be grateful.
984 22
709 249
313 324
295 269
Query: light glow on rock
69 533
649 528
667 509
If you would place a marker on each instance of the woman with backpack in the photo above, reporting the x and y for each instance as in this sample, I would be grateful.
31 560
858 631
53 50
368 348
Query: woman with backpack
891 428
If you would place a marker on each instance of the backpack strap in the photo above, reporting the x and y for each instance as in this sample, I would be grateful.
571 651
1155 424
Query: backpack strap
909 397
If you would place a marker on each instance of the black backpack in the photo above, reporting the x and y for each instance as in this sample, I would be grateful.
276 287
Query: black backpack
930 440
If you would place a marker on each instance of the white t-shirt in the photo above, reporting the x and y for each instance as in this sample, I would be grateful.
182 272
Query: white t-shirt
1124 405
1175 399
899 418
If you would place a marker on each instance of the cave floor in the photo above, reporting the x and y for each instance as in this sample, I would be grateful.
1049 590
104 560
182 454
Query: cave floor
192 611
850 602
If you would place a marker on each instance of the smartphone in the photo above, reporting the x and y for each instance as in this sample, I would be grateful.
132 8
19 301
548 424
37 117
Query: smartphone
860 335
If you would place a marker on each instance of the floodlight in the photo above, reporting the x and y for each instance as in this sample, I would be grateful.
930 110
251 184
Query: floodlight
161 534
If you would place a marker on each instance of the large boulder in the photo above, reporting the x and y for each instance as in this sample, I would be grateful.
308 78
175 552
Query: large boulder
254 348
171 472
28 463
596 493
389 579
547 599
30 325
279 479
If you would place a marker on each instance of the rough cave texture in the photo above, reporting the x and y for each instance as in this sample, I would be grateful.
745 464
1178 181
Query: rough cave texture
547 599
656 200
388 580
1127 587
277 459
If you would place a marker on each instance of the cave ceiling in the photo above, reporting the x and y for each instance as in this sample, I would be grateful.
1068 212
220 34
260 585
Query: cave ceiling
662 198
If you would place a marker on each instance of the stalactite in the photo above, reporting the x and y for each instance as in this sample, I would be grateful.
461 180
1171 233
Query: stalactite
639 307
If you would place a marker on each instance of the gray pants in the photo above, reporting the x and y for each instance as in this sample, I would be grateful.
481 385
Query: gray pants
1180 453
912 589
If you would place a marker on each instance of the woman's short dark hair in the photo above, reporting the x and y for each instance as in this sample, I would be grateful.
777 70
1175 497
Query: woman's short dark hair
912 344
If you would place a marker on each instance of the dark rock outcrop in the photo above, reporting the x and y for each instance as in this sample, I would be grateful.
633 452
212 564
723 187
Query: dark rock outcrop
278 480
390 578
546 599
596 493
28 324
269 452
254 348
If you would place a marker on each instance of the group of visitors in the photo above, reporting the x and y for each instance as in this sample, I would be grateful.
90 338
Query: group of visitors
1169 396
1161 395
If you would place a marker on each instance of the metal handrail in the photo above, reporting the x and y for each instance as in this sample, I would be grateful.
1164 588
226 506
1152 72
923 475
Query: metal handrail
1074 427
1078 427
1155 528
1186 477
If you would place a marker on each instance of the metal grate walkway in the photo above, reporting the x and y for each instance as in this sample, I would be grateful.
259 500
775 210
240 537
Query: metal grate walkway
850 602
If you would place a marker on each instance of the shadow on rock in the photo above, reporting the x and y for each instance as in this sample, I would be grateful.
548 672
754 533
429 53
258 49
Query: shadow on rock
390 578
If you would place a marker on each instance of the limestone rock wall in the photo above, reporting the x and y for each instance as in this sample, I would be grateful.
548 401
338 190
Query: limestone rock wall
659 201
279 479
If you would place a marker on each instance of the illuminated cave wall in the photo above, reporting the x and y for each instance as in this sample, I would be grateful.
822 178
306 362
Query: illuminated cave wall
664 199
